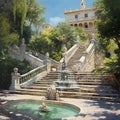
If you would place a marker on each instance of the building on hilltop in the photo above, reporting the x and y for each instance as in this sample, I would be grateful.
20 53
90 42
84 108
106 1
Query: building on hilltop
83 17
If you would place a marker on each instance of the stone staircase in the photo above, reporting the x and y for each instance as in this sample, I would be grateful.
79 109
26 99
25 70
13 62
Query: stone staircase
97 87
75 57
92 86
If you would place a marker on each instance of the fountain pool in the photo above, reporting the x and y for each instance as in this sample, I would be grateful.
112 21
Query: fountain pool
56 110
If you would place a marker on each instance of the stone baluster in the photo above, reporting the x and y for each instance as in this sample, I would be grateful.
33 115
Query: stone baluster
15 80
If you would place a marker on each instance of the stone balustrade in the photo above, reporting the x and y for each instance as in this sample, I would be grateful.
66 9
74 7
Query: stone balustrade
71 52
27 78
86 62
31 74
34 61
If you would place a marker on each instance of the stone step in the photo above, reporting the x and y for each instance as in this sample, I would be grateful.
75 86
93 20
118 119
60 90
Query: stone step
92 83
85 90
81 90
93 80
95 96
44 81
108 99
30 93
96 87
50 77
93 90
35 88
88 94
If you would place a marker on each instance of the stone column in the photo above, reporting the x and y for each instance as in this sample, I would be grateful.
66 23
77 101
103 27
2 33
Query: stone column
22 50
15 80
48 62
77 40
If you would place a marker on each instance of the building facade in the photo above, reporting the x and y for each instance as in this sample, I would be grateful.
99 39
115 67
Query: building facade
83 17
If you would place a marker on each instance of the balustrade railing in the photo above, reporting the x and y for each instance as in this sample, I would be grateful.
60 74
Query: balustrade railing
25 77
70 52
83 61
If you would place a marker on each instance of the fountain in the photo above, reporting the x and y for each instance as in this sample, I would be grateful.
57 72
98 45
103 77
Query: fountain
66 79
41 110
43 107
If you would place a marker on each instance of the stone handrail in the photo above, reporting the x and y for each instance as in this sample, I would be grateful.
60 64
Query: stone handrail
33 60
54 64
87 59
31 74
28 78
71 52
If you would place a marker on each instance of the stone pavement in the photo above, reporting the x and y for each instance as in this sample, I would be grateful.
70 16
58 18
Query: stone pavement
90 109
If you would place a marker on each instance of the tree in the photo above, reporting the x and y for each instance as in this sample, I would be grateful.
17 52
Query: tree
21 13
6 38
35 15
108 22
53 40
108 19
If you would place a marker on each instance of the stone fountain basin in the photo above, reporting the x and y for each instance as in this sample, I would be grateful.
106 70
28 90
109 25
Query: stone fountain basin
57 109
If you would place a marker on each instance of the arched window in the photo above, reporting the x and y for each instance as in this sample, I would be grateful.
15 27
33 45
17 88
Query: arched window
85 25
90 24
80 25
75 25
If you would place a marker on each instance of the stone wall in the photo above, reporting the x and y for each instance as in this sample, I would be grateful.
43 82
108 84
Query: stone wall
20 53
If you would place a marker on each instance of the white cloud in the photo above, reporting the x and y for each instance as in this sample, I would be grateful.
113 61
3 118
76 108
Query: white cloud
55 20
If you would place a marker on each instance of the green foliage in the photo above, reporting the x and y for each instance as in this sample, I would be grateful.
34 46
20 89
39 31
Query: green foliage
14 25
82 34
108 19
108 22
6 68
27 33
35 15
53 40
6 38
19 13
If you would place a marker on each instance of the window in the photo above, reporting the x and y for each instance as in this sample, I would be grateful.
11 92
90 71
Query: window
86 25
86 15
76 16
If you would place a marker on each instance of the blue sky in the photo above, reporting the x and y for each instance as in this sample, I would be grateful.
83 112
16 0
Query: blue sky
54 12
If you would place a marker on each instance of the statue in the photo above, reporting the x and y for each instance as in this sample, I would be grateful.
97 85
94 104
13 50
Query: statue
43 107
83 4
52 93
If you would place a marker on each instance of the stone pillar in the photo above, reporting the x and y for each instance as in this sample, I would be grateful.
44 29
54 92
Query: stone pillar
15 80
22 49
48 62
77 40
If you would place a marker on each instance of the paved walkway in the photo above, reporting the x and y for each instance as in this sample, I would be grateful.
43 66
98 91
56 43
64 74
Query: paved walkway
90 110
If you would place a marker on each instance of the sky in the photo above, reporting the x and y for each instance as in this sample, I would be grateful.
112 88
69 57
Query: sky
54 9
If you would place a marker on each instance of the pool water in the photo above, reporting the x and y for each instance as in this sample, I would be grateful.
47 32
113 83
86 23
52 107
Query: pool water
31 108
